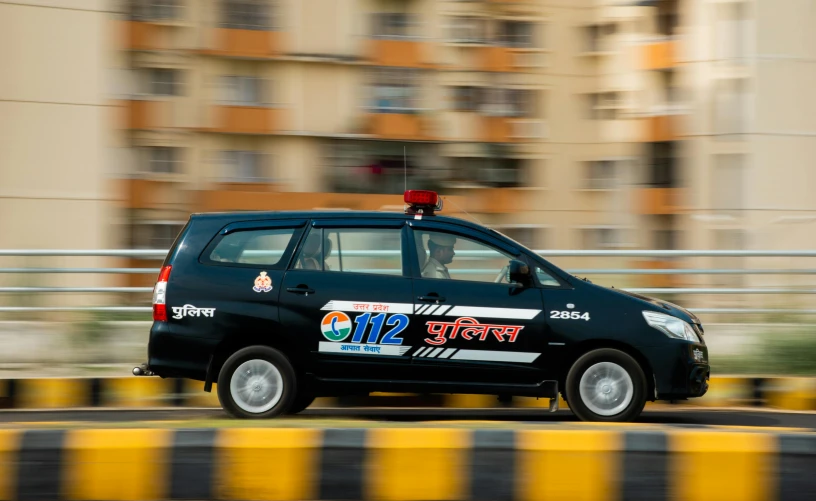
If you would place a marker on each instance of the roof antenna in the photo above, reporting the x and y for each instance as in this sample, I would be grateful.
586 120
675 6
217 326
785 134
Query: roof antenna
463 210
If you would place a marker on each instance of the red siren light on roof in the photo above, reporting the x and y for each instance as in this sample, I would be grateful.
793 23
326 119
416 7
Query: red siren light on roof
421 197
422 202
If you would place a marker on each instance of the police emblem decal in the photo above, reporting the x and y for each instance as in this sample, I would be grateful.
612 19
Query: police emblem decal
263 283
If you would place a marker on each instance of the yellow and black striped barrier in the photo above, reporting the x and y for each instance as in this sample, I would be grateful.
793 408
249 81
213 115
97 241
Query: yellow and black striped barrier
406 464
790 393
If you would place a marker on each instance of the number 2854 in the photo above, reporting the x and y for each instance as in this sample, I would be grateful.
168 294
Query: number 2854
569 315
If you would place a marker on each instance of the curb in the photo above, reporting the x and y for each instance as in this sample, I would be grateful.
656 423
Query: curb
404 464
788 393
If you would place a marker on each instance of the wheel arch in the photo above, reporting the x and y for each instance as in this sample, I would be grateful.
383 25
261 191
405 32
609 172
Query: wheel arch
233 343
580 349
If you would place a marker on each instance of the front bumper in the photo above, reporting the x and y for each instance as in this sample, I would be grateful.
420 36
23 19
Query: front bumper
681 369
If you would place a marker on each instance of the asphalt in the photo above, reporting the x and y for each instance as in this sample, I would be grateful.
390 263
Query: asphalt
680 417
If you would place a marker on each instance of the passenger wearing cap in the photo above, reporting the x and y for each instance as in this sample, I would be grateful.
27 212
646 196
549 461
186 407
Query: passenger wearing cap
441 251
310 256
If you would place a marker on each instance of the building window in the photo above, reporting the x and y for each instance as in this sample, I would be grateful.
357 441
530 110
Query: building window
595 36
466 98
728 239
668 16
465 29
727 183
665 239
242 166
164 160
604 105
243 90
509 102
490 172
601 238
247 14
155 234
673 92
663 165
155 10
395 91
516 34
600 174
393 25
730 107
732 30
165 82
525 235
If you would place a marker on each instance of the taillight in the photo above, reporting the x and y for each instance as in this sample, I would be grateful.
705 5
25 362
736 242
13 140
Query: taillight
160 295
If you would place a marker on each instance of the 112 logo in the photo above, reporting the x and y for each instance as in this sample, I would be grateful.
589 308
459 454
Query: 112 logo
337 326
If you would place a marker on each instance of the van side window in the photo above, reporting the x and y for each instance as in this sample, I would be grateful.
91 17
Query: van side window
262 247
352 250
451 257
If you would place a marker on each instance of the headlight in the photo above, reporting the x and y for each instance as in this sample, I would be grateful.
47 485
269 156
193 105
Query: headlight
671 326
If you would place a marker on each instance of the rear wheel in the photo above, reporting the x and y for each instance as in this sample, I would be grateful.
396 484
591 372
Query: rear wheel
256 382
606 385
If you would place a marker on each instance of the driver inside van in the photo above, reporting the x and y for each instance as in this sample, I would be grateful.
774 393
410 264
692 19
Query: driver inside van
440 247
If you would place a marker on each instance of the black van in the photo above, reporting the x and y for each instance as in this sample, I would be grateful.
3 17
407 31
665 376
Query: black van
278 308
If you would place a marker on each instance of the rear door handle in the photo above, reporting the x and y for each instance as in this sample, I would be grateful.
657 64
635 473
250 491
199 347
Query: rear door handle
300 289
431 299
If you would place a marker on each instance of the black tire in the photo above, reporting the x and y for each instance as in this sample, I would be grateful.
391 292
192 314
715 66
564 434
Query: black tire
580 408
265 353
301 402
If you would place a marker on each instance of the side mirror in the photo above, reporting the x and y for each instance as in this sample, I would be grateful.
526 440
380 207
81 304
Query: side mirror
518 272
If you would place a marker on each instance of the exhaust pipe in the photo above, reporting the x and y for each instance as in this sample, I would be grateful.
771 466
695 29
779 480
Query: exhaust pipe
143 370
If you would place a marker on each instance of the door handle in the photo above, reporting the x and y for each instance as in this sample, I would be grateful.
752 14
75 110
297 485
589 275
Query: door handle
431 299
300 289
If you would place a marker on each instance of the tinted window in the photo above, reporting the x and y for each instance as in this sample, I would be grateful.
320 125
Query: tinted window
262 247
352 251
447 256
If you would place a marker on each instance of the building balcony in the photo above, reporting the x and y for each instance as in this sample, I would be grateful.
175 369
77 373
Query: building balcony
229 200
658 280
659 201
497 200
231 119
148 35
392 124
409 53
660 128
139 35
659 55
511 59
251 44
141 194
152 114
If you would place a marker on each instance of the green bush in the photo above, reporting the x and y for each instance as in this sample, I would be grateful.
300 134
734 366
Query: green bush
777 354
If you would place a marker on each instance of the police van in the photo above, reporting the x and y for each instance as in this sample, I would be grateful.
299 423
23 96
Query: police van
278 308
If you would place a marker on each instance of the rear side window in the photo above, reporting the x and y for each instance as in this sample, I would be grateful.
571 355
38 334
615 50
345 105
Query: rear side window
264 247
377 251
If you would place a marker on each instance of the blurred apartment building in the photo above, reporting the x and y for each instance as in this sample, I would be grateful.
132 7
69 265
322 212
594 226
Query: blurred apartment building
563 123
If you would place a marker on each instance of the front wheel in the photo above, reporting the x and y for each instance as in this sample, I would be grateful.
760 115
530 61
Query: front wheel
606 385
256 382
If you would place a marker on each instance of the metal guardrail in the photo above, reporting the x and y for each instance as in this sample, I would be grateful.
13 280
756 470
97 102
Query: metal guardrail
159 254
